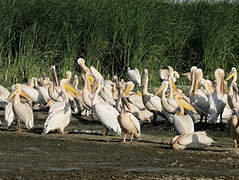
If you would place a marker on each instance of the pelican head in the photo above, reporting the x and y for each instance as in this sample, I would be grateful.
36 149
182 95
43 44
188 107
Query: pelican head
81 62
55 79
219 75
233 73
129 86
17 91
75 81
68 75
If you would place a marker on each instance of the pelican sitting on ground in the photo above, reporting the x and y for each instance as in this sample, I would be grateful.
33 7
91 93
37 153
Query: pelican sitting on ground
104 112
134 75
60 113
22 111
218 98
128 121
196 140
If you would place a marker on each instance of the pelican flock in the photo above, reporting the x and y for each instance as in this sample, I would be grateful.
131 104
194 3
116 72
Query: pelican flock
121 109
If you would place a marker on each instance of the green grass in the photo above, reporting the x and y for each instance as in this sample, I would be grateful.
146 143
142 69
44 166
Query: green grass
112 35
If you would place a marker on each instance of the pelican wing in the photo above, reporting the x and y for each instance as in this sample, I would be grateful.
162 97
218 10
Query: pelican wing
135 122
24 113
9 115
108 116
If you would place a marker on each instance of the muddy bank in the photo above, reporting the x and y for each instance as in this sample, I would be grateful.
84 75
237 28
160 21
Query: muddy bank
85 154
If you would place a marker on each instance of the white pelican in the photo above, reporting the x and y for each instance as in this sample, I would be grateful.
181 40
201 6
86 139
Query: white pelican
4 93
183 124
106 113
134 75
233 98
54 89
165 73
218 98
198 99
22 111
60 112
151 102
128 121
234 128
196 140
44 80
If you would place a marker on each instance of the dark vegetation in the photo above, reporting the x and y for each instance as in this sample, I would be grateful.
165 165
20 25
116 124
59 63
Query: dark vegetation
114 34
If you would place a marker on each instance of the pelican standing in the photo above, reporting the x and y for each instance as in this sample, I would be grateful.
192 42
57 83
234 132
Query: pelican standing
151 102
218 98
128 121
22 111
106 113
60 113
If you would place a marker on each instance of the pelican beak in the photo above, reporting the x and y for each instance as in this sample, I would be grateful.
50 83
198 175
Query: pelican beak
91 79
125 101
15 91
230 75
222 83
186 74
25 95
48 103
162 87
71 90
81 62
96 85
128 89
210 88
173 85
55 79
68 76
196 78
186 105
225 88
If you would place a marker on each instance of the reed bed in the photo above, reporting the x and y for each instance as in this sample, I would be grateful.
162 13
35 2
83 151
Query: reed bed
115 34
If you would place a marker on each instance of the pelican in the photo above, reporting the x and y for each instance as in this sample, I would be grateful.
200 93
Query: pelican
60 112
235 129
233 100
106 113
151 102
128 121
22 111
182 123
197 98
54 89
217 99
134 75
4 93
196 140
44 80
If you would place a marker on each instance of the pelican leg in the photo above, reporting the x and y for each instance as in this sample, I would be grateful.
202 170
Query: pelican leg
132 137
235 145
18 126
201 118
124 141
155 118
105 131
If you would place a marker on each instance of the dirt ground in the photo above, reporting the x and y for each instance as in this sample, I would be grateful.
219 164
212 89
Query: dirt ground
85 154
